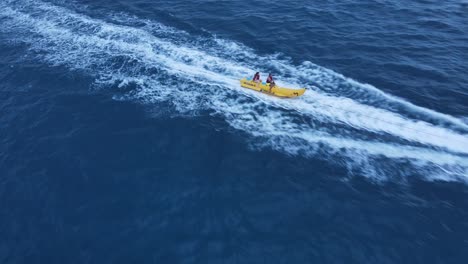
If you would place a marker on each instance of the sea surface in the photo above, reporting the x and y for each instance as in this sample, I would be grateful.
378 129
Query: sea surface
126 138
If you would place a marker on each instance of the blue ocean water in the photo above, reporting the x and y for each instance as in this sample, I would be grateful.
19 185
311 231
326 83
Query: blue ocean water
125 137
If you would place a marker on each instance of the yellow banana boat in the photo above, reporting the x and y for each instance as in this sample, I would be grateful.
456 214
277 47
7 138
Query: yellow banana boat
276 90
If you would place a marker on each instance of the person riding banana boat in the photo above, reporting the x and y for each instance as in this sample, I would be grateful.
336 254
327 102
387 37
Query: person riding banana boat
270 81
256 78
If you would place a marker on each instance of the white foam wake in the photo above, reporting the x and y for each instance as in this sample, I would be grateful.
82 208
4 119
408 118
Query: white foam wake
194 73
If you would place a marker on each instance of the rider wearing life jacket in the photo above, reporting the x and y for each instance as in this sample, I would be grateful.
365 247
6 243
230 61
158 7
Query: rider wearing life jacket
270 81
256 77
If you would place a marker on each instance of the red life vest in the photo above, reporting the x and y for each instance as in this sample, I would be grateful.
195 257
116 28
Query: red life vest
256 77
269 79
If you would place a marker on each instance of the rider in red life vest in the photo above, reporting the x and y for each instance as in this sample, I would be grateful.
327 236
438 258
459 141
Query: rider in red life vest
270 79
256 77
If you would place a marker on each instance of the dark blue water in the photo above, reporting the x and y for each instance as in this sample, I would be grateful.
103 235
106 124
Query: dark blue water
125 137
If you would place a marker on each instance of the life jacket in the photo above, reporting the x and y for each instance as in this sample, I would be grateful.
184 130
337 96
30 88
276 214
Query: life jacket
269 79
256 77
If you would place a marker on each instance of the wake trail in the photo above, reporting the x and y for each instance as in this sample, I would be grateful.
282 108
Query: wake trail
192 76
